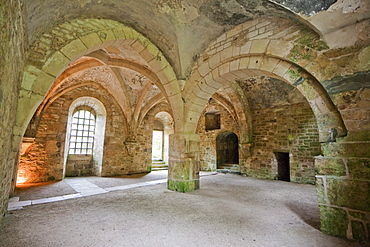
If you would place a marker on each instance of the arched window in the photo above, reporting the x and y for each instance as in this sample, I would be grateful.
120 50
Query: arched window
82 133
84 146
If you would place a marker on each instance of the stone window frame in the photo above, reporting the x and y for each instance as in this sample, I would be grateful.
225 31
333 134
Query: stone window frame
98 108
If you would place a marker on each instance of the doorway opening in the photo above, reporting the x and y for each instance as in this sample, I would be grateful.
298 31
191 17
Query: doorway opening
162 129
227 148
157 145
283 167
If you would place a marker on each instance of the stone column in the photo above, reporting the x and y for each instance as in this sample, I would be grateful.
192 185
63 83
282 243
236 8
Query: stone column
343 187
183 169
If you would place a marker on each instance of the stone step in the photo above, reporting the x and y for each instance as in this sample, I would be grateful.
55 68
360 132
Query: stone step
228 171
229 168
159 168
159 165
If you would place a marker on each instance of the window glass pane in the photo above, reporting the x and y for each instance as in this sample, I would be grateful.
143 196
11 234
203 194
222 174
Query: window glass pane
82 133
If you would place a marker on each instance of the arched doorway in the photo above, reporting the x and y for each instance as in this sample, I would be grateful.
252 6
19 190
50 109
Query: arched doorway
157 141
162 128
227 148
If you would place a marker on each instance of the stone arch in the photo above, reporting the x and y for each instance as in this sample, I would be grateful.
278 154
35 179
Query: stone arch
100 121
208 81
166 120
55 50
87 83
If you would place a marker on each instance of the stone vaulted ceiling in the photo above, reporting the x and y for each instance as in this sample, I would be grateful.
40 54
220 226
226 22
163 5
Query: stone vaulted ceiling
182 29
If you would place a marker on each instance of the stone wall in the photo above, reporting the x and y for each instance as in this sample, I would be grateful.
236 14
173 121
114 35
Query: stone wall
12 47
343 180
44 159
207 145
290 128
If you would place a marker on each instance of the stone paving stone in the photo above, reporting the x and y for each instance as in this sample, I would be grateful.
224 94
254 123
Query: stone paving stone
85 188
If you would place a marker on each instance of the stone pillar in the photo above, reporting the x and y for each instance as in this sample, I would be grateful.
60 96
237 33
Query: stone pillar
183 169
343 187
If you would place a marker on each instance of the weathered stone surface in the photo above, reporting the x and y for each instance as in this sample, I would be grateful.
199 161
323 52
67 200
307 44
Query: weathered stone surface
328 166
182 186
45 158
301 6
209 44
291 129
349 193
183 173
334 221
346 149
320 190
12 49
359 168
359 231
347 83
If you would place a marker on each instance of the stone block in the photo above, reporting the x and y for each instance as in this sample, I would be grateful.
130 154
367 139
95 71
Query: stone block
107 37
349 193
204 69
74 49
359 168
281 68
255 62
330 166
92 41
56 64
359 215
36 80
334 221
244 50
359 231
346 149
320 190
119 33
269 64
139 46
259 46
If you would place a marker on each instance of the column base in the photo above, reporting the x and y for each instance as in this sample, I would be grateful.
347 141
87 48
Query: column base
182 185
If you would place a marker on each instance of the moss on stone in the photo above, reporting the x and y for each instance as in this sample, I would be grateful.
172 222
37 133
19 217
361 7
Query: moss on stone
335 167
344 61
358 215
334 221
359 168
301 52
359 231
342 51
311 39
346 149
321 198
182 186
349 193
293 74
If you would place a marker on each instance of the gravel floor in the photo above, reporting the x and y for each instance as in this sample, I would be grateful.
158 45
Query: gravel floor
228 210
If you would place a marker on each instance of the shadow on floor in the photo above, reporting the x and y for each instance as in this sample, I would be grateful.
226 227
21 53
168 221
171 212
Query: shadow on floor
309 213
